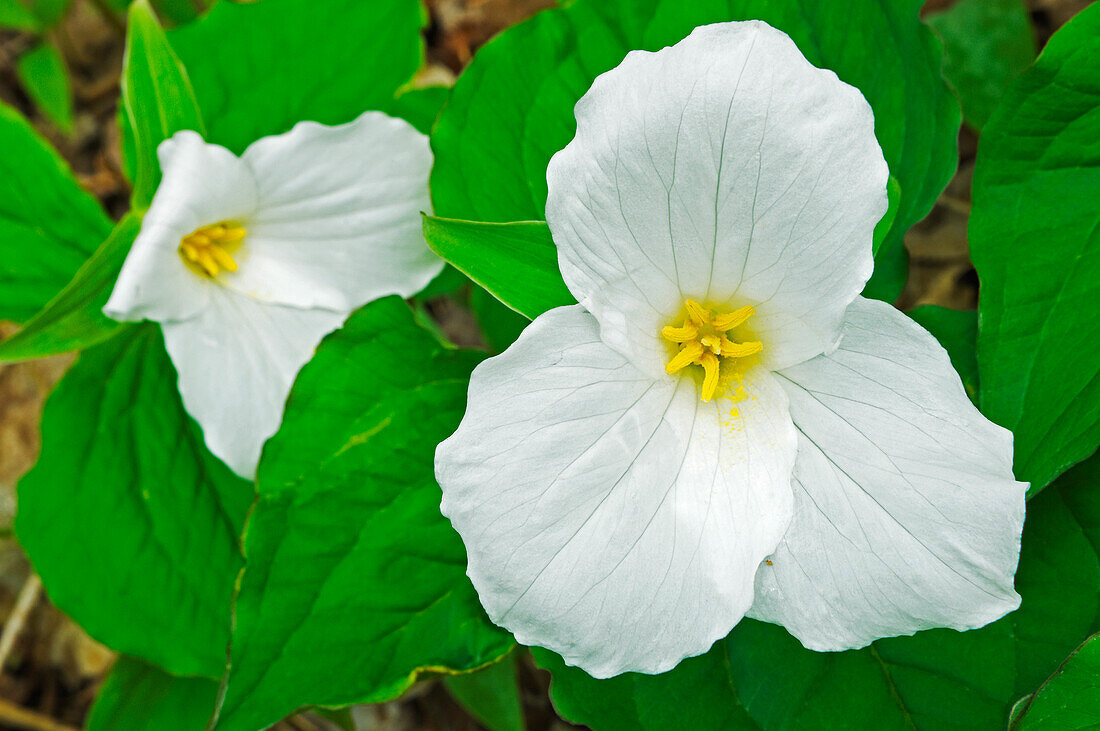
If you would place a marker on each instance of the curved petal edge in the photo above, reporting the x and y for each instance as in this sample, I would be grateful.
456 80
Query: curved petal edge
613 518
726 169
907 515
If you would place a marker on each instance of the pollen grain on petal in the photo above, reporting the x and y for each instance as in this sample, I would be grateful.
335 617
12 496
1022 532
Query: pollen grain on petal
208 251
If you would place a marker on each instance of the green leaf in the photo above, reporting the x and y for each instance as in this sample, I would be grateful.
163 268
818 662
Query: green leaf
157 100
140 697
15 15
882 228
1035 241
131 523
175 12
1070 699
517 262
892 270
505 119
761 678
178 12
44 76
421 107
491 695
49 12
355 581
987 43
48 224
697 695
448 281
74 319
957 331
257 73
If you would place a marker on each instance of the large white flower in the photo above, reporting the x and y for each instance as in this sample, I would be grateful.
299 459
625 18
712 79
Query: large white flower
723 427
247 262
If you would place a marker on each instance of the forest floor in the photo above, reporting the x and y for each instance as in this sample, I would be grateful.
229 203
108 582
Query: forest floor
50 673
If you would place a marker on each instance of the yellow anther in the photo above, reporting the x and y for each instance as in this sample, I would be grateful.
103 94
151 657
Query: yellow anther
740 350
702 341
688 354
730 320
208 250
698 314
233 235
681 334
224 260
709 361
206 261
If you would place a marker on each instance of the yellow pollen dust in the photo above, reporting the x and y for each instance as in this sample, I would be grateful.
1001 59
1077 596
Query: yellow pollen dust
208 250
703 342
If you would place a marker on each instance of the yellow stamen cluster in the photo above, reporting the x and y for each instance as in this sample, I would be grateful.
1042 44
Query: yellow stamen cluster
208 250
702 341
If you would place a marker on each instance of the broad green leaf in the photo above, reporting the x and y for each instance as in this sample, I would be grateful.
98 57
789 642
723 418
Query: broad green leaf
1069 700
157 100
506 119
257 72
1035 240
517 262
178 12
420 107
138 696
48 225
49 12
131 523
174 12
43 74
882 228
957 331
15 15
491 695
74 319
355 581
448 281
761 678
987 43
697 695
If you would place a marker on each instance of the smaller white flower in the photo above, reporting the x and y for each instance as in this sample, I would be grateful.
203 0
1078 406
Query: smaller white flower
723 427
248 262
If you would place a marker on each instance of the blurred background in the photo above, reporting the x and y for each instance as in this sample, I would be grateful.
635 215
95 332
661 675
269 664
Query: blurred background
65 79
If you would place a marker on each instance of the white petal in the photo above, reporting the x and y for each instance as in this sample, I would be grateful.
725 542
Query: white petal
339 218
725 168
203 184
237 361
907 515
615 519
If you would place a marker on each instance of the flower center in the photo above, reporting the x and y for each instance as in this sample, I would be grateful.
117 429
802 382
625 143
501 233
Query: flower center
208 250
703 341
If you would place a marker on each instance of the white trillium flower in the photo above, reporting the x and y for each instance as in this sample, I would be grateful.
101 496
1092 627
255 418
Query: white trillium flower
248 262
723 427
